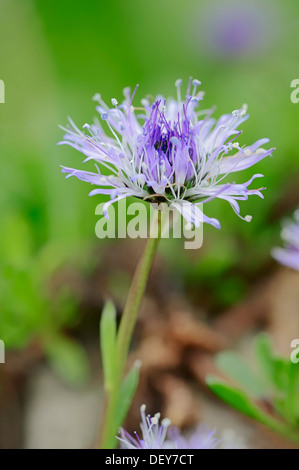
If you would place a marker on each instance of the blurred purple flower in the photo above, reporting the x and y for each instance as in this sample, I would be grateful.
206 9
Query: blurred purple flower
168 152
289 256
164 436
237 27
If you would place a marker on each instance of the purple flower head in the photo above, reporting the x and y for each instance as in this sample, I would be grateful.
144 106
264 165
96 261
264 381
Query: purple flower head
167 151
164 436
154 434
200 438
236 28
289 256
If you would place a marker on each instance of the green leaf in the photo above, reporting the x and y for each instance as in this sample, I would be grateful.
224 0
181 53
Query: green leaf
232 364
286 379
293 392
274 367
108 344
264 355
238 400
68 359
125 397
283 376
282 371
235 398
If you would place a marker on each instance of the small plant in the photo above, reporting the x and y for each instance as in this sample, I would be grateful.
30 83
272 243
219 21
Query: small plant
170 153
270 395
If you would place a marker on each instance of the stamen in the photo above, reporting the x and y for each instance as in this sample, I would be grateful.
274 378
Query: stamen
195 84
138 439
166 422
97 97
189 86
243 110
145 102
133 94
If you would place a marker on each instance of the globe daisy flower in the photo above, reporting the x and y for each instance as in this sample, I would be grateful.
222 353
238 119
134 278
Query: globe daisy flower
156 435
166 151
289 255
235 28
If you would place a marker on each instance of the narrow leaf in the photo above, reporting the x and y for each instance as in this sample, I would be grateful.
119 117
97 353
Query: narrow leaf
125 397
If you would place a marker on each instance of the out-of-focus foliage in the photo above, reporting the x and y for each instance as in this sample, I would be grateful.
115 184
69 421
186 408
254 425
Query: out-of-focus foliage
54 56
269 395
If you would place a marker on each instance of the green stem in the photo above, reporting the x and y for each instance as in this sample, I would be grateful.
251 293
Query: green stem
124 336
281 428
136 292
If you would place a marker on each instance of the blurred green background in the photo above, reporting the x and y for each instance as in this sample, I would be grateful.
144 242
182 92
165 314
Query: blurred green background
55 55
